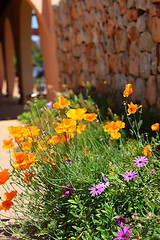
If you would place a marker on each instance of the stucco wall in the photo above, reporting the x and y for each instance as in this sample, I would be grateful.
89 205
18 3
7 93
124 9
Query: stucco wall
111 43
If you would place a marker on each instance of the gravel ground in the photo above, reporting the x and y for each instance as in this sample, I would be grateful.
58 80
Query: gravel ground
4 163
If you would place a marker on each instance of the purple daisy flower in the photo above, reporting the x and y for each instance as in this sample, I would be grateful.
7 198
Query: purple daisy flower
120 221
97 189
105 181
130 175
140 161
67 190
49 105
124 233
68 161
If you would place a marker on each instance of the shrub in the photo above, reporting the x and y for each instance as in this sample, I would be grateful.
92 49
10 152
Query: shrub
81 178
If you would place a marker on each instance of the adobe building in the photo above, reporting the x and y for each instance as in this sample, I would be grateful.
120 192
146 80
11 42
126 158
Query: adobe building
15 44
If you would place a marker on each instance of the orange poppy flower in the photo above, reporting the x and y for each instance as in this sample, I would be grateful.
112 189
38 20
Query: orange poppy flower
155 127
26 145
146 151
67 125
128 90
10 196
50 161
132 108
54 140
8 144
20 157
4 176
62 103
90 117
6 205
115 135
114 126
16 132
23 160
63 138
110 127
120 124
81 128
41 145
26 180
30 132
76 114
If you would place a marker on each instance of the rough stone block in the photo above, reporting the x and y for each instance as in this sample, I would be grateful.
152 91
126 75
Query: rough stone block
150 93
106 59
154 10
111 28
120 22
141 4
110 46
132 14
145 42
131 4
114 10
133 66
125 63
132 32
155 29
120 40
156 1
113 63
154 60
134 59
125 20
158 83
144 64
141 23
119 82
123 6
139 89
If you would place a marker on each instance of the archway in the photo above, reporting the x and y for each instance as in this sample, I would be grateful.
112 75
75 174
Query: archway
19 14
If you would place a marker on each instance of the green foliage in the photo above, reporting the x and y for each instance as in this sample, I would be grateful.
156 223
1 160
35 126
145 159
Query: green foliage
36 55
82 162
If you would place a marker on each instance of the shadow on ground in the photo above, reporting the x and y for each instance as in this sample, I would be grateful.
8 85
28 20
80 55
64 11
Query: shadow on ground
10 107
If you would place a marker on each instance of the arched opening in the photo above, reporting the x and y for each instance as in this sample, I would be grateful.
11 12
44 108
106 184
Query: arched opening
37 59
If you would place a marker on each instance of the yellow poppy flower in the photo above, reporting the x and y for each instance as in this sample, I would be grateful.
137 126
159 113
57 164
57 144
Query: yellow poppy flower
146 151
54 140
8 144
62 103
16 132
115 135
26 145
76 114
114 126
81 128
67 125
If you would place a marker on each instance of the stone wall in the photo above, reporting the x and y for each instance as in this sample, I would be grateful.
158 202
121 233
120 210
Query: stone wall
111 43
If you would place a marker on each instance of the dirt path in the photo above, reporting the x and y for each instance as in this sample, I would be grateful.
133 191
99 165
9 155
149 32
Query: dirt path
4 163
